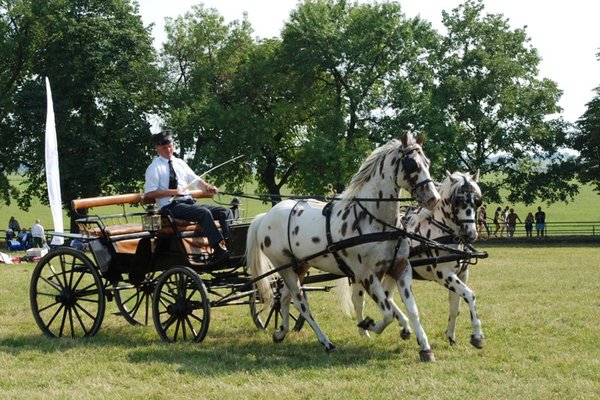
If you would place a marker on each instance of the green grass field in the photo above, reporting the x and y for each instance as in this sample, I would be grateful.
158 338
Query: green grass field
539 307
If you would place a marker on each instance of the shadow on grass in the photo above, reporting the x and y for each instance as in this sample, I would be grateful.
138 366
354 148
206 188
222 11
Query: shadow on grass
222 352
224 357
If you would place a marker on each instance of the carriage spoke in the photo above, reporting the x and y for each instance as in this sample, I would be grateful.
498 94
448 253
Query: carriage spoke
80 319
56 313
54 285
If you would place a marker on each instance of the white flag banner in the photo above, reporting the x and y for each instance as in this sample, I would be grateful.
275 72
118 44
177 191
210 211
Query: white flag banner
52 172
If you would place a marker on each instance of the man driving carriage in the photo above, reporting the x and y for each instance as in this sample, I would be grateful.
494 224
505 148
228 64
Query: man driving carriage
168 180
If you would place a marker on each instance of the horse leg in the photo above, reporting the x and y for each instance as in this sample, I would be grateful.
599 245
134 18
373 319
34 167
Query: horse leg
402 271
359 306
284 307
469 296
453 311
293 283
388 308
388 285
457 290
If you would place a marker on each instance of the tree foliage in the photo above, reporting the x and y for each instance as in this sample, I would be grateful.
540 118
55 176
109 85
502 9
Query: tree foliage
100 62
587 141
355 55
496 113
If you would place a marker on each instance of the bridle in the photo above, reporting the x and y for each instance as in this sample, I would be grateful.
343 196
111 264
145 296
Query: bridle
464 196
409 166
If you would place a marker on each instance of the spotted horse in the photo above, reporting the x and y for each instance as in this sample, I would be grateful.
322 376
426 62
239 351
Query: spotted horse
452 224
353 235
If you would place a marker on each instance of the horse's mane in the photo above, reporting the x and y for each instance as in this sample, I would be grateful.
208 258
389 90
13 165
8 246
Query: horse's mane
365 172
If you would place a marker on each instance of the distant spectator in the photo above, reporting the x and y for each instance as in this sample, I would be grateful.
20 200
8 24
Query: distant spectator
482 222
540 222
39 236
511 223
504 224
13 229
14 225
497 220
79 244
25 239
235 208
529 225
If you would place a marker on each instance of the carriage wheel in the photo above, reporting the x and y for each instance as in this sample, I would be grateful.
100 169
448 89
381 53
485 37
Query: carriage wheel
135 301
180 307
67 294
263 317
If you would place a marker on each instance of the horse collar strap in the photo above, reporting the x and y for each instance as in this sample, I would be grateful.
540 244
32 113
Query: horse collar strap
340 262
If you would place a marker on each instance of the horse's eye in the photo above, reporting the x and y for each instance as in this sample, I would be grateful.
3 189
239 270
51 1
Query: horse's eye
409 165
478 201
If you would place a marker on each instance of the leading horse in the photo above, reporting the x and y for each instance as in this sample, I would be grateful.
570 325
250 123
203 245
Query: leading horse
297 234
453 224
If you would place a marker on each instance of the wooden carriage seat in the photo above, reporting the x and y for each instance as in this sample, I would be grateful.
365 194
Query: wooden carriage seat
195 241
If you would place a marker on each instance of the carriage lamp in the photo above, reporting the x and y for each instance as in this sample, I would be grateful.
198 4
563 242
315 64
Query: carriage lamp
151 220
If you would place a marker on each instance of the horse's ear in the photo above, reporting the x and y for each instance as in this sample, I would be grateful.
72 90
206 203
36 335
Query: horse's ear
449 175
421 138
475 176
406 136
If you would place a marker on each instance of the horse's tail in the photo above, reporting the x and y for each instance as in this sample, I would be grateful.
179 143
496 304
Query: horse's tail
258 263
342 289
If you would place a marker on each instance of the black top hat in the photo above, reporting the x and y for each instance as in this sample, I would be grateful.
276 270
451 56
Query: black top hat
235 201
163 138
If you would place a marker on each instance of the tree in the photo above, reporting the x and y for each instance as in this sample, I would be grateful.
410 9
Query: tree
17 33
354 56
230 95
202 56
587 141
101 65
492 113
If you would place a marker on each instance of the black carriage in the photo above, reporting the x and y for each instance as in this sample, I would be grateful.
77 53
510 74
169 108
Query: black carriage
156 268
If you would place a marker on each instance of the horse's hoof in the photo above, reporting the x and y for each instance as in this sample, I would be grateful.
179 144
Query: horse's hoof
405 334
366 323
278 338
477 342
452 341
329 348
427 355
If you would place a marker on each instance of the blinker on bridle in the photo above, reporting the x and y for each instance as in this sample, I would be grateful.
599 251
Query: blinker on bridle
409 166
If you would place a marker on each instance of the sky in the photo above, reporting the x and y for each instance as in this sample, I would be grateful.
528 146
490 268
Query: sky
565 33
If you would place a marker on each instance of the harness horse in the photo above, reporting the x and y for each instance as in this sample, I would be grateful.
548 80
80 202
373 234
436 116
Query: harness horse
451 223
354 235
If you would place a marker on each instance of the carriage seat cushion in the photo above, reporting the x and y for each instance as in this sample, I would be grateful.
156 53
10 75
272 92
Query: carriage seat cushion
167 229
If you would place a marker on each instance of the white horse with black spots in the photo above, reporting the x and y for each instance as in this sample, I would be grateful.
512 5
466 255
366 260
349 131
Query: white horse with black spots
298 234
451 223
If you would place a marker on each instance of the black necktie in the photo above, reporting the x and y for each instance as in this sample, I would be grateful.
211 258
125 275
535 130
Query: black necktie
172 176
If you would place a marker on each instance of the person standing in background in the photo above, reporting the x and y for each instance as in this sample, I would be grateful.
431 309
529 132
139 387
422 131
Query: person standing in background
511 223
38 234
482 219
529 225
540 222
14 225
504 222
497 216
